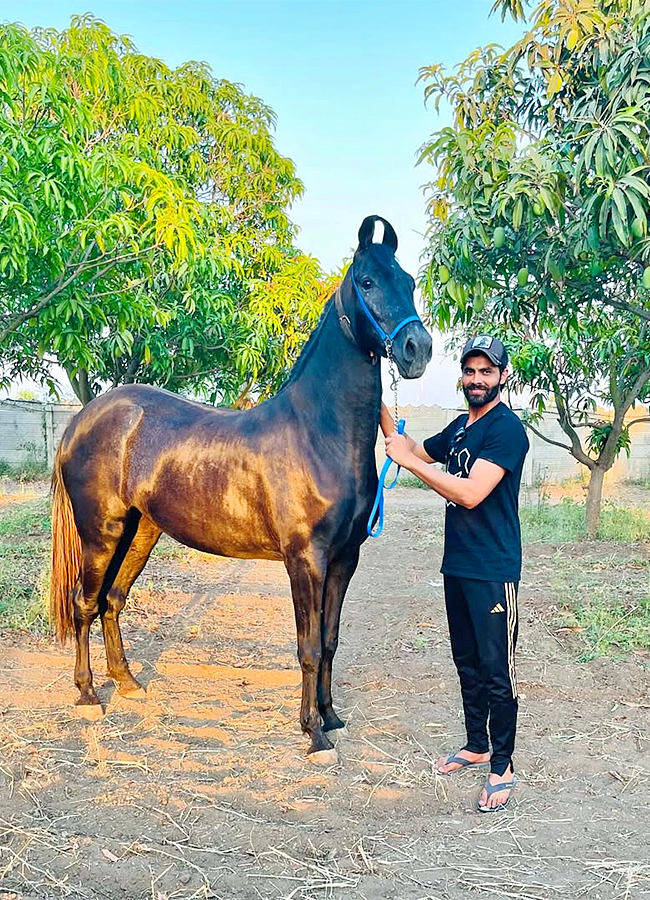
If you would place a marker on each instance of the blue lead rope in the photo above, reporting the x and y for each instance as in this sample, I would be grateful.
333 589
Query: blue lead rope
379 499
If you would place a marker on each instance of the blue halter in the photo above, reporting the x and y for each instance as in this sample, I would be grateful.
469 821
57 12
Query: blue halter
386 338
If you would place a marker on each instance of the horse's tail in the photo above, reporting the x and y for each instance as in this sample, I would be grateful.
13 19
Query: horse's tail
66 556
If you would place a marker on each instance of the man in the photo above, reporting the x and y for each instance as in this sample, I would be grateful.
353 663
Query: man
484 451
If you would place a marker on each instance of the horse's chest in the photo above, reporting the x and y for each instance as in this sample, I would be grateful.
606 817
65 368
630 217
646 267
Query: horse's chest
352 513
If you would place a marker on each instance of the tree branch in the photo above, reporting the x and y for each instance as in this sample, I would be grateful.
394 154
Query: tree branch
80 269
635 389
132 285
61 286
636 421
90 142
567 427
189 375
126 257
628 307
85 394
243 394
74 381
547 439
128 375
610 448
615 386
133 366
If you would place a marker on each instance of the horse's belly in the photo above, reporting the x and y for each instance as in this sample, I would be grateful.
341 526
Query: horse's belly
216 506
246 536
225 547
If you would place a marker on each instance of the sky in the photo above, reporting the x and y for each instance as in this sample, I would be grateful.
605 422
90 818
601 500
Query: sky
341 78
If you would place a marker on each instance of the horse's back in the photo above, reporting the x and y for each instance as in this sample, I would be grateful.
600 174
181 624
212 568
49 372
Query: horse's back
149 416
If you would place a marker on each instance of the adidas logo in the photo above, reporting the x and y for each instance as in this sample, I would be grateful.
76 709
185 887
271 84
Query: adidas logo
497 608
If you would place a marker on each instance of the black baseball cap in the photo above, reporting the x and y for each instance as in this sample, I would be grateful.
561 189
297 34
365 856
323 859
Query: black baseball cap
489 346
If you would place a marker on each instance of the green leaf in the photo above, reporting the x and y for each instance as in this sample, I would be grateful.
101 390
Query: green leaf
619 219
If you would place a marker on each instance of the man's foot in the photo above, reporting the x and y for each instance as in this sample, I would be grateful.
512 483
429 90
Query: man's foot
464 759
498 799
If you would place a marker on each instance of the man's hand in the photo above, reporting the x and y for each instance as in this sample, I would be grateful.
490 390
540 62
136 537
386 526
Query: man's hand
388 427
400 449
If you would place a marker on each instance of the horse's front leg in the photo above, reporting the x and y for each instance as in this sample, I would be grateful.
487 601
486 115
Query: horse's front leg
339 573
307 575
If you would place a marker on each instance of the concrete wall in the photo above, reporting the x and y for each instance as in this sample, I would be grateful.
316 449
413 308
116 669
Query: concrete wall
29 429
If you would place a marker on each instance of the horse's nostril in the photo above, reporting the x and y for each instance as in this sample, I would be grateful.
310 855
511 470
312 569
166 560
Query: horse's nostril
410 350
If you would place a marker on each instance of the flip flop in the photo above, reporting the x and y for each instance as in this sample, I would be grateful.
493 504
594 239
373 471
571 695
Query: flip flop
494 789
462 764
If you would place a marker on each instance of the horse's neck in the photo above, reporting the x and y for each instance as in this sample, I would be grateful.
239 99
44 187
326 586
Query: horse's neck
339 381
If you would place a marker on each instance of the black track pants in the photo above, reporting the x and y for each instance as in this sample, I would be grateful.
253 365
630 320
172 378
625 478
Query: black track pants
483 625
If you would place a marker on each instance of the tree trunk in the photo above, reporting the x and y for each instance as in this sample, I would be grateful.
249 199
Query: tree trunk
81 386
594 501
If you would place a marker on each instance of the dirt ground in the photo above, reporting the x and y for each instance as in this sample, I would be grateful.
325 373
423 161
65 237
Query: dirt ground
203 789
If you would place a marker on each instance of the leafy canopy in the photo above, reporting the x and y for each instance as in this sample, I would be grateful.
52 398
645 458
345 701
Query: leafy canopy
541 196
144 229
600 364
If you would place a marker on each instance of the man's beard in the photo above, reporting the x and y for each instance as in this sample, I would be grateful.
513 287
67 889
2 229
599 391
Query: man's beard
478 400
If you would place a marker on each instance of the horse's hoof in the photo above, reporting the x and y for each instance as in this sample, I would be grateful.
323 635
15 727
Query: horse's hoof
91 711
324 758
334 733
332 723
137 693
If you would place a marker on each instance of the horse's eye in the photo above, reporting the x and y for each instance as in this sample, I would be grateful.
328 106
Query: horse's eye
366 284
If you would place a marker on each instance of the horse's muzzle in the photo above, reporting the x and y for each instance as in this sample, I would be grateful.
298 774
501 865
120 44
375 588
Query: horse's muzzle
412 350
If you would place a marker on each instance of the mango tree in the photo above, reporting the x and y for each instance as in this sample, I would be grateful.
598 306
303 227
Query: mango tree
539 207
143 216
573 374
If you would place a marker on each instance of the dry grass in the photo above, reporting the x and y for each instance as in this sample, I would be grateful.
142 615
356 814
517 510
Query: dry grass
203 791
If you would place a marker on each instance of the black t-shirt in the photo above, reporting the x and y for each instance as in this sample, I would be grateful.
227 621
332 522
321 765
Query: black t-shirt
485 542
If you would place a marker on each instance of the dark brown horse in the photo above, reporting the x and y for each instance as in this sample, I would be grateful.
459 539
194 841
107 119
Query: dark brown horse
292 479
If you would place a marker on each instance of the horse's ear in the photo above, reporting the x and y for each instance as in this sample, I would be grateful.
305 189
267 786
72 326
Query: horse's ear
390 238
367 232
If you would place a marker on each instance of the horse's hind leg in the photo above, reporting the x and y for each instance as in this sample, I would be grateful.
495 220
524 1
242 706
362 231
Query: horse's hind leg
96 559
133 563
339 573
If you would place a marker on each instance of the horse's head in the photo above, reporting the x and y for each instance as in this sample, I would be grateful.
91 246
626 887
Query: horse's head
379 302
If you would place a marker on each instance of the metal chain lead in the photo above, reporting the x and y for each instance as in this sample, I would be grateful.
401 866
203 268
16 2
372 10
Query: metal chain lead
395 379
